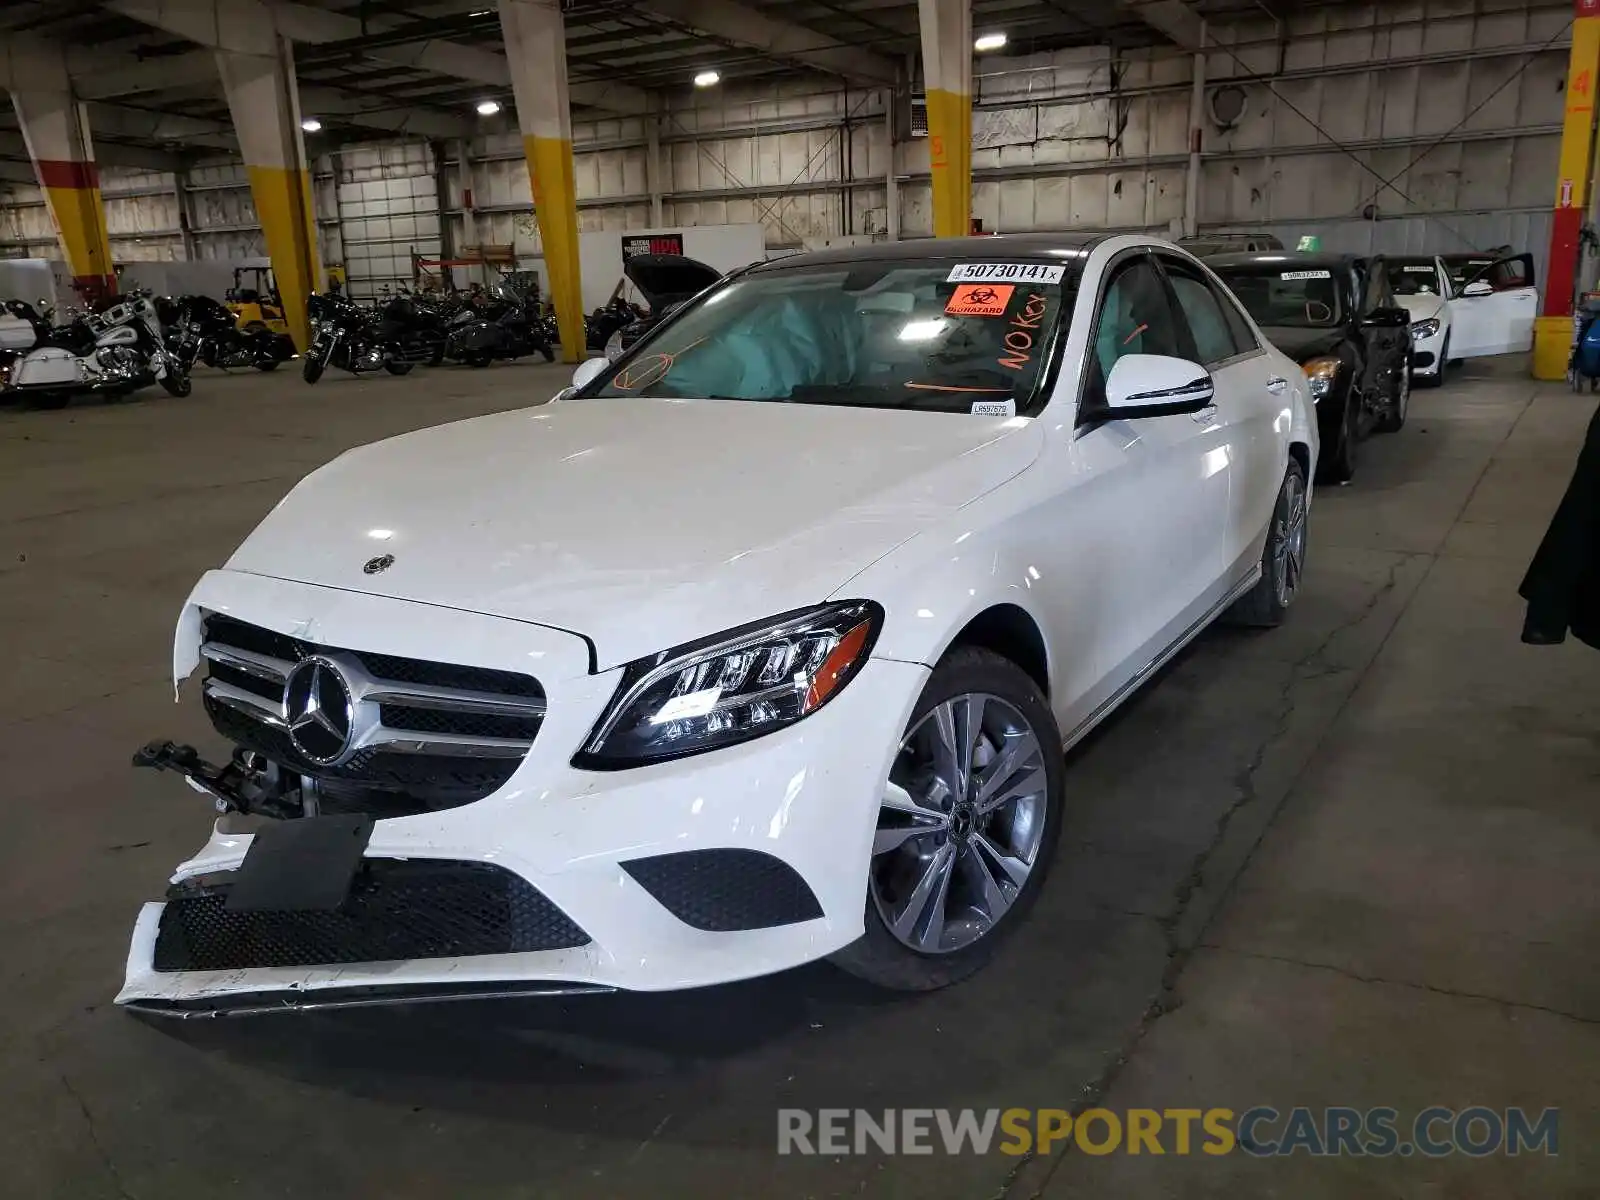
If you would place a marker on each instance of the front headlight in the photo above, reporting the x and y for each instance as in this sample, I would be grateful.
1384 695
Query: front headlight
731 688
1424 329
1321 373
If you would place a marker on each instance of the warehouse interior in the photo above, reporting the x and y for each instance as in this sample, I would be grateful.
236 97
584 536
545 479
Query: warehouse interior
1347 868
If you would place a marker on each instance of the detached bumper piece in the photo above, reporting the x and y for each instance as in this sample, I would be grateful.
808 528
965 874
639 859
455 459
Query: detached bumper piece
397 910
723 891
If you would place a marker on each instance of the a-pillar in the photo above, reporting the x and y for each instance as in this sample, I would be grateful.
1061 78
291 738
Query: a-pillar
56 129
266 116
536 51
947 76
1552 342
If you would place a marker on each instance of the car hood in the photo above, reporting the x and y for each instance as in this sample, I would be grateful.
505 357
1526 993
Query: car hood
1303 344
638 523
1422 307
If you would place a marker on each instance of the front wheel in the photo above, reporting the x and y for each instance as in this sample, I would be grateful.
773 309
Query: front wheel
1394 419
313 368
397 368
1339 465
1437 378
969 820
177 383
548 352
1283 558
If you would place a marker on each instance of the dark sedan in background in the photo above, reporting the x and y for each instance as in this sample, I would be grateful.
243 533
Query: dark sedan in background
1336 315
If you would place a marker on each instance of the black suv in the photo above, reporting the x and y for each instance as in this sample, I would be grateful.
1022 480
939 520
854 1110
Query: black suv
1335 315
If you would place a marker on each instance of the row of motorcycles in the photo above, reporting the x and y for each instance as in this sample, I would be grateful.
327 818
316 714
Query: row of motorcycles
113 349
406 329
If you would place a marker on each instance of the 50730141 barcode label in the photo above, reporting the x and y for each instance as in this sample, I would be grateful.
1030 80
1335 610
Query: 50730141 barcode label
995 272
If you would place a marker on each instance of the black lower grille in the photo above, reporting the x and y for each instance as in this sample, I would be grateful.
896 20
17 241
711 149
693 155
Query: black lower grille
725 890
397 910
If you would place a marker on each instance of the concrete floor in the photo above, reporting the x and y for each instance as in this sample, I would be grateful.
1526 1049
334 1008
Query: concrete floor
1352 861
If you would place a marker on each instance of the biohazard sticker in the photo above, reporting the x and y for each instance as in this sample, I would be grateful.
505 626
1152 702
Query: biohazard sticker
980 300
1306 275
994 408
994 272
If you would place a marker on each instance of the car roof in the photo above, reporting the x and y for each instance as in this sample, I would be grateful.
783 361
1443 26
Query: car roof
1411 258
1045 247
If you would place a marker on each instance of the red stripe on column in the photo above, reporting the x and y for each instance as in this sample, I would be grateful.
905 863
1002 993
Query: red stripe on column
64 173
1565 232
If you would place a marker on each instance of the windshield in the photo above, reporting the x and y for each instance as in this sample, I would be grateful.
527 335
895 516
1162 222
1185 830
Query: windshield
1419 277
1464 267
936 336
1285 295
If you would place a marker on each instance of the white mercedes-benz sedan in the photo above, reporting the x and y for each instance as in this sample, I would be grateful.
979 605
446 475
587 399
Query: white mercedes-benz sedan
760 645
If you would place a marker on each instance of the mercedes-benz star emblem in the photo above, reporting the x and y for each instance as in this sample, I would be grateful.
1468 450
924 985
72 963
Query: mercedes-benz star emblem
382 563
319 711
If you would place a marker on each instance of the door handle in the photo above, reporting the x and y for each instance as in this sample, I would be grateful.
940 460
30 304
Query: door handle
1276 384
1206 415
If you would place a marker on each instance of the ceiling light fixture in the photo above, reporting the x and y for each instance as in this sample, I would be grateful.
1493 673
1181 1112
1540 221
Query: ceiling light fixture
488 108
707 79
311 125
989 41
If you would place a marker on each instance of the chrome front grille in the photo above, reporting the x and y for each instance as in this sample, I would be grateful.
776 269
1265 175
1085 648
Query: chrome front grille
436 734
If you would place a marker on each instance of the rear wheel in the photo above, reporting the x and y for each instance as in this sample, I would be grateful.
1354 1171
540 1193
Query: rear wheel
1283 558
266 364
968 824
177 383
479 360
50 399
397 368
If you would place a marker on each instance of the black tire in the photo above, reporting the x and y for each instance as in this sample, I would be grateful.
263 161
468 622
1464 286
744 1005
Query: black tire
879 955
1338 465
398 368
549 353
479 361
1282 568
1393 419
268 364
1437 378
50 400
312 370
176 383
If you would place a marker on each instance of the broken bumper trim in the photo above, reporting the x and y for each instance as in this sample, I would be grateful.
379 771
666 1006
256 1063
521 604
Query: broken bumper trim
251 1004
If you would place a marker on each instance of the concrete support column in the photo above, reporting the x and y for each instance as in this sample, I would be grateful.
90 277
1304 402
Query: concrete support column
1553 330
652 169
1197 113
891 179
947 74
536 51
56 129
266 116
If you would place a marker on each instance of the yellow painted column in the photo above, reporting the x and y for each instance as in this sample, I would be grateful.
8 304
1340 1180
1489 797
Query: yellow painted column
266 116
56 129
536 51
1552 335
947 73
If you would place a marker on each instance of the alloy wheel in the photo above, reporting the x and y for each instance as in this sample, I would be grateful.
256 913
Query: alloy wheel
961 823
1289 538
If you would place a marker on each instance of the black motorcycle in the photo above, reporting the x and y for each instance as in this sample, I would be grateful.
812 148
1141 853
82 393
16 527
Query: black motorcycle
498 327
204 330
396 337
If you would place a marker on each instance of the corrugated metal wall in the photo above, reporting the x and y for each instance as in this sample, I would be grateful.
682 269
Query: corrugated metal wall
1406 124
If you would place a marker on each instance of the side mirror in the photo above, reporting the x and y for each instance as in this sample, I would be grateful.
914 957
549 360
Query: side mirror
1154 385
588 371
1478 288
1388 318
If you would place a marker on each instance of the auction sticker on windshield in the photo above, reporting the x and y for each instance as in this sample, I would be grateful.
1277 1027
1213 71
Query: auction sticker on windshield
1307 275
980 300
994 272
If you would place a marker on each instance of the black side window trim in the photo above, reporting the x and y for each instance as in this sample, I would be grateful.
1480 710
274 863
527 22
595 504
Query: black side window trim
1223 297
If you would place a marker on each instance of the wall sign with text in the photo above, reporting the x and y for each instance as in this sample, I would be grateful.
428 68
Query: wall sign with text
635 245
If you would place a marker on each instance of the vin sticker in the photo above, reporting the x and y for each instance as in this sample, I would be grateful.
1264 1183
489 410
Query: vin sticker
994 408
994 272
